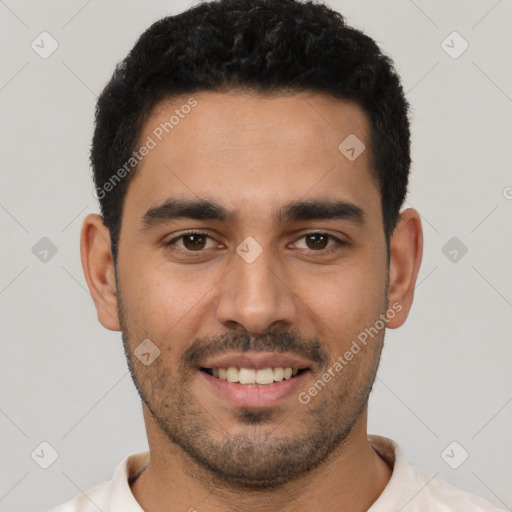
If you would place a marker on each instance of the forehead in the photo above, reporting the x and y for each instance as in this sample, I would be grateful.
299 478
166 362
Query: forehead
253 152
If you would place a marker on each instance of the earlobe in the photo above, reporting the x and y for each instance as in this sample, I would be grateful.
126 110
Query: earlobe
406 251
98 267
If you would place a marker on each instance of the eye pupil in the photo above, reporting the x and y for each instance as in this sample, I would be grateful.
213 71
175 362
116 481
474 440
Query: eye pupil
319 241
194 241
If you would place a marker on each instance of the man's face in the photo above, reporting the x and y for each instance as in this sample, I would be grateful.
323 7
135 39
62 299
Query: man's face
263 286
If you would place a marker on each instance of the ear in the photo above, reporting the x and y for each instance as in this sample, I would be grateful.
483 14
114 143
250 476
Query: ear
97 263
406 251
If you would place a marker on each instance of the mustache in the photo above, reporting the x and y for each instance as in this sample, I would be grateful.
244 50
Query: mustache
274 341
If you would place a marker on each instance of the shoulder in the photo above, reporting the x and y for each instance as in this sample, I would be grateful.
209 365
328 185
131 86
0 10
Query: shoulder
413 490
111 495
438 493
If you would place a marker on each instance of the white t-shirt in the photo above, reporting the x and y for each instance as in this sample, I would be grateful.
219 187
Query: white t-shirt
408 490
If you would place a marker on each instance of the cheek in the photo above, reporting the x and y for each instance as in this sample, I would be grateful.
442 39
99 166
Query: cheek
348 296
165 298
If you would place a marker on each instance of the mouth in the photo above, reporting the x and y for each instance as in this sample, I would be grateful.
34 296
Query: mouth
253 376
254 379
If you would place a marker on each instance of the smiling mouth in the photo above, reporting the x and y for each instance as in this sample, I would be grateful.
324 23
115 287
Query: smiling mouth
254 377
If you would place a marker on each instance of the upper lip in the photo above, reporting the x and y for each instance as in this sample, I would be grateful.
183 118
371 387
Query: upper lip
256 360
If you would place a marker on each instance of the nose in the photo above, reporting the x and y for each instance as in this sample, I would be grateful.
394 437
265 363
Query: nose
255 296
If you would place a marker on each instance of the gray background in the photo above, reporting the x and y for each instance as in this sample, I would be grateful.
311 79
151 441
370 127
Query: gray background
445 375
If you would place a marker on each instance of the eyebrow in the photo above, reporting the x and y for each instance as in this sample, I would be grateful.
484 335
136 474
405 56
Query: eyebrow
203 209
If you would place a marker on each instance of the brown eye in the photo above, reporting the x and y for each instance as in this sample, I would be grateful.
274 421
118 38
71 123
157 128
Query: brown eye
194 242
317 241
321 243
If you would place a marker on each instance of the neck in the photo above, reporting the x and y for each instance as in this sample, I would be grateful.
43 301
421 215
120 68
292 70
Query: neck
352 478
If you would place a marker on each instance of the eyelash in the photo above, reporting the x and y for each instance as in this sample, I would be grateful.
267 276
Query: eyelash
329 250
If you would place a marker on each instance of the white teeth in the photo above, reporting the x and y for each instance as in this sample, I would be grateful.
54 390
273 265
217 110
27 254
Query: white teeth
265 376
247 376
278 373
232 374
262 376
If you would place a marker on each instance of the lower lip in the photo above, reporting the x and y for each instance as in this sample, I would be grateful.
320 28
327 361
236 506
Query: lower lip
243 395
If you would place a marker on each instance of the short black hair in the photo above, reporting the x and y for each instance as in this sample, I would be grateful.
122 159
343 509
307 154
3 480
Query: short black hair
263 46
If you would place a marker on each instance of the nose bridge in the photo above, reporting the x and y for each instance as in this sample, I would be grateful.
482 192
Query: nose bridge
253 295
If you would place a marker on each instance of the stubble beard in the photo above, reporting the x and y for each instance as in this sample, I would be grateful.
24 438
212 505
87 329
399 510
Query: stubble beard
257 454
